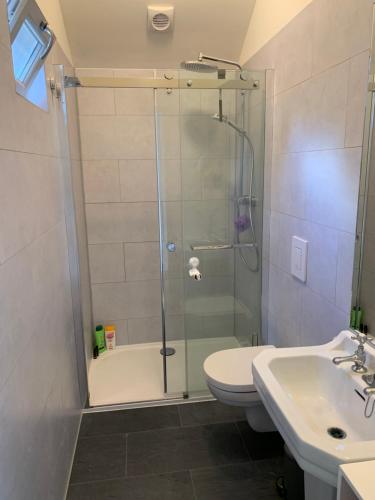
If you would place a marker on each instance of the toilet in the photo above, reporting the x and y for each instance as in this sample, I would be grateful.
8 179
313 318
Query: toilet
229 378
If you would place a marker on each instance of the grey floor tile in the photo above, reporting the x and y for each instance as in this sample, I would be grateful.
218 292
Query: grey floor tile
172 486
124 421
245 481
261 445
106 422
209 412
184 448
99 457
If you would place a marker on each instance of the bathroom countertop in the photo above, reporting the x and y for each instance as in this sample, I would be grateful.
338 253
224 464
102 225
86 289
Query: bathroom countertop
360 477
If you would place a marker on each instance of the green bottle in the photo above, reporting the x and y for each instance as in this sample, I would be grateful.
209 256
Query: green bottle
353 318
100 338
359 318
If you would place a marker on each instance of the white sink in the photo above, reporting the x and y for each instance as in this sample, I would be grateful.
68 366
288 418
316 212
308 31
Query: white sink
306 394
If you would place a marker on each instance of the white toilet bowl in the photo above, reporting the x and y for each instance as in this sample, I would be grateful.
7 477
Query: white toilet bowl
230 379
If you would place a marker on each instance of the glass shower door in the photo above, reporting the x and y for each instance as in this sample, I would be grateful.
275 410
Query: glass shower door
205 198
208 151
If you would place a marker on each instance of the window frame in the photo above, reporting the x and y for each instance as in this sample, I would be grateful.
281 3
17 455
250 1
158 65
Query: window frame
27 12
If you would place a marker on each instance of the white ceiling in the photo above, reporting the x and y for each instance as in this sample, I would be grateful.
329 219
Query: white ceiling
113 33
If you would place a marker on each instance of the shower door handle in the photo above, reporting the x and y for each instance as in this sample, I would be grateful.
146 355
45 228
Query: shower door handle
194 271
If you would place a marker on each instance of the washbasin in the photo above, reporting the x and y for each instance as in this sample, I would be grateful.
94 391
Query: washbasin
317 406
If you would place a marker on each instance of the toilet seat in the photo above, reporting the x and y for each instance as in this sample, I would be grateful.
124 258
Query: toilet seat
230 370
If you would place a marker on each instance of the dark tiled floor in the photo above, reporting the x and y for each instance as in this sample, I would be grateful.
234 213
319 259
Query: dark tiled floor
198 451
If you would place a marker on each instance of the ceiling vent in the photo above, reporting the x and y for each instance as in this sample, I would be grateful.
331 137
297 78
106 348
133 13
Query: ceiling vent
160 17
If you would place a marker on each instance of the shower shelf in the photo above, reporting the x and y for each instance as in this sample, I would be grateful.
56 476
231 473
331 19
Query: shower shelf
221 246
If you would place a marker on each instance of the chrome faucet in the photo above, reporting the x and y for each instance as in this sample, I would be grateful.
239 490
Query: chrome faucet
358 358
370 382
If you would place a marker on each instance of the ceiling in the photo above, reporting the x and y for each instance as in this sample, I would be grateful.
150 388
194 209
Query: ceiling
114 33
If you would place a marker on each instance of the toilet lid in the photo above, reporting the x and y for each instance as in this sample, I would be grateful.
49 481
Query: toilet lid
230 369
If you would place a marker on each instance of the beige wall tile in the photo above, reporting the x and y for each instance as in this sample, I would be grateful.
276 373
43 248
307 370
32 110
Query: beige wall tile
321 320
101 181
203 137
93 101
168 129
107 263
170 180
283 332
173 262
289 184
143 330
137 299
113 137
312 115
336 36
172 220
174 296
122 222
216 178
357 95
142 261
134 101
138 180
167 102
293 58
206 221
174 327
4 31
21 127
31 200
323 251
190 101
345 264
285 295
191 179
333 185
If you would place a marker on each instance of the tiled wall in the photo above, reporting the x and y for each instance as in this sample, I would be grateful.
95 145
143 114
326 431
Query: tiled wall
120 178
39 392
320 60
119 168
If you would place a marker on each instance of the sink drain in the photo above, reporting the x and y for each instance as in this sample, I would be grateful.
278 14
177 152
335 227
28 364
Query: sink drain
336 432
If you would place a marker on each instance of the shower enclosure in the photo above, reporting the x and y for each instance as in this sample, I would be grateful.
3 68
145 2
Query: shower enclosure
209 137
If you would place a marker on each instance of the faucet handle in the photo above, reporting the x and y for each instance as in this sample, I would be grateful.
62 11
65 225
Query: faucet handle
361 338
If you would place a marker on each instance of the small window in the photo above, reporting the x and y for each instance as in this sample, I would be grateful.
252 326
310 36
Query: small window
31 41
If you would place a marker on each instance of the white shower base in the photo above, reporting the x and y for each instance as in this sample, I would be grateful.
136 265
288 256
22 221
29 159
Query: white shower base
134 373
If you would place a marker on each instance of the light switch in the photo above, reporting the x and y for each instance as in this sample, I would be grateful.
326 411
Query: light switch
299 258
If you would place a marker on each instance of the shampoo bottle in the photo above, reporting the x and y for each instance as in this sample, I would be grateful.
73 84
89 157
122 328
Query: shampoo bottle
110 337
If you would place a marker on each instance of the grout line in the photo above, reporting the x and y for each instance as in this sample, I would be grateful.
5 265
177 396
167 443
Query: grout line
273 211
321 72
179 415
36 238
126 454
192 485
123 244
243 441
153 474
305 286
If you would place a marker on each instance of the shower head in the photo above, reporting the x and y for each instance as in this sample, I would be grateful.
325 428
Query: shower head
198 66
201 66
